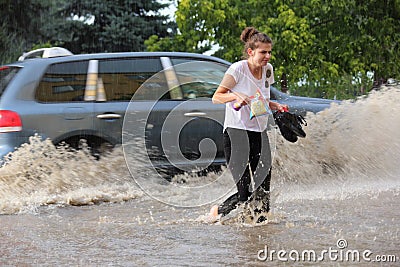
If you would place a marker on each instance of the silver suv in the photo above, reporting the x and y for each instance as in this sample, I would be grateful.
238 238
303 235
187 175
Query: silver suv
68 98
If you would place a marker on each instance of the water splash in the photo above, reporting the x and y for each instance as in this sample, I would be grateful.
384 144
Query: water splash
351 149
38 173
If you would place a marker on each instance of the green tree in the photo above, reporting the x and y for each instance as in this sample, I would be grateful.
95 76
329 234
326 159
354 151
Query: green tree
22 24
193 35
221 22
321 48
108 26
359 37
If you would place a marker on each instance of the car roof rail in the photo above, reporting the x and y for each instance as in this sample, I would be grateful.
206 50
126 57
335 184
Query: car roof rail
45 53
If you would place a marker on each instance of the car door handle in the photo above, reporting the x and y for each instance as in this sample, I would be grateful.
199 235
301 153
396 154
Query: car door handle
195 114
108 116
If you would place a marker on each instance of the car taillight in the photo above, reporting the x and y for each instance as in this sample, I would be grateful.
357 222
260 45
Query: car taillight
9 121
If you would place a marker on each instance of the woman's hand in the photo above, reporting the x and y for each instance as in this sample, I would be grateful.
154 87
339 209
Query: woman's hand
283 108
242 99
279 107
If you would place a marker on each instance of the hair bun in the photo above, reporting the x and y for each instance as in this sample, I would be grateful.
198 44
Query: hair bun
247 33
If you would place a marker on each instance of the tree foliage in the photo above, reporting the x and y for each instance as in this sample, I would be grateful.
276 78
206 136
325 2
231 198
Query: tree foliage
321 48
22 21
80 25
109 26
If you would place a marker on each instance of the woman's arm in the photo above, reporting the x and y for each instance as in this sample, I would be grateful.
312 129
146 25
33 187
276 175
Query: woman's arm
223 94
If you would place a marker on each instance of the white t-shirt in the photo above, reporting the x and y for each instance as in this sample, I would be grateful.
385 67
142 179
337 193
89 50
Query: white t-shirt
247 84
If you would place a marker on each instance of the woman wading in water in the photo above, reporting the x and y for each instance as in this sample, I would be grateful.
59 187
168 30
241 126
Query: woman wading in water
246 143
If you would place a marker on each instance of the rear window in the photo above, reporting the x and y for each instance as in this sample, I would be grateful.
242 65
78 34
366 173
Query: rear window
7 73
63 82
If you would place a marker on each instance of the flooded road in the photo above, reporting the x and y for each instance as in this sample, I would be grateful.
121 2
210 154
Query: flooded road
335 199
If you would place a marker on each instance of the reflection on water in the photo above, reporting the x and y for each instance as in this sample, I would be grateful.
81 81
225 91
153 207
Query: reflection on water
341 181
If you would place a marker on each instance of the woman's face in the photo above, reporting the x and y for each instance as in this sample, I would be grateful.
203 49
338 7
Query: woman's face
261 55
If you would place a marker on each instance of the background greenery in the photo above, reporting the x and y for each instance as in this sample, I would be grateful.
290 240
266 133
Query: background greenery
335 48
81 26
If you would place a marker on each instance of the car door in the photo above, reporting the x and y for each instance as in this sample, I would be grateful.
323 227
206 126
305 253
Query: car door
118 80
60 112
200 136
143 98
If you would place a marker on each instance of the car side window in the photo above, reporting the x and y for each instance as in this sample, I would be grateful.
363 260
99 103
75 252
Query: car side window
63 82
123 77
194 90
198 78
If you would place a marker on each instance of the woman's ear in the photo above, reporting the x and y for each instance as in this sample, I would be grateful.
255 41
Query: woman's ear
250 52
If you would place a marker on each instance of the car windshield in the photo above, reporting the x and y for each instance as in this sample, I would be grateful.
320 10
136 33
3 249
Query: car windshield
7 73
